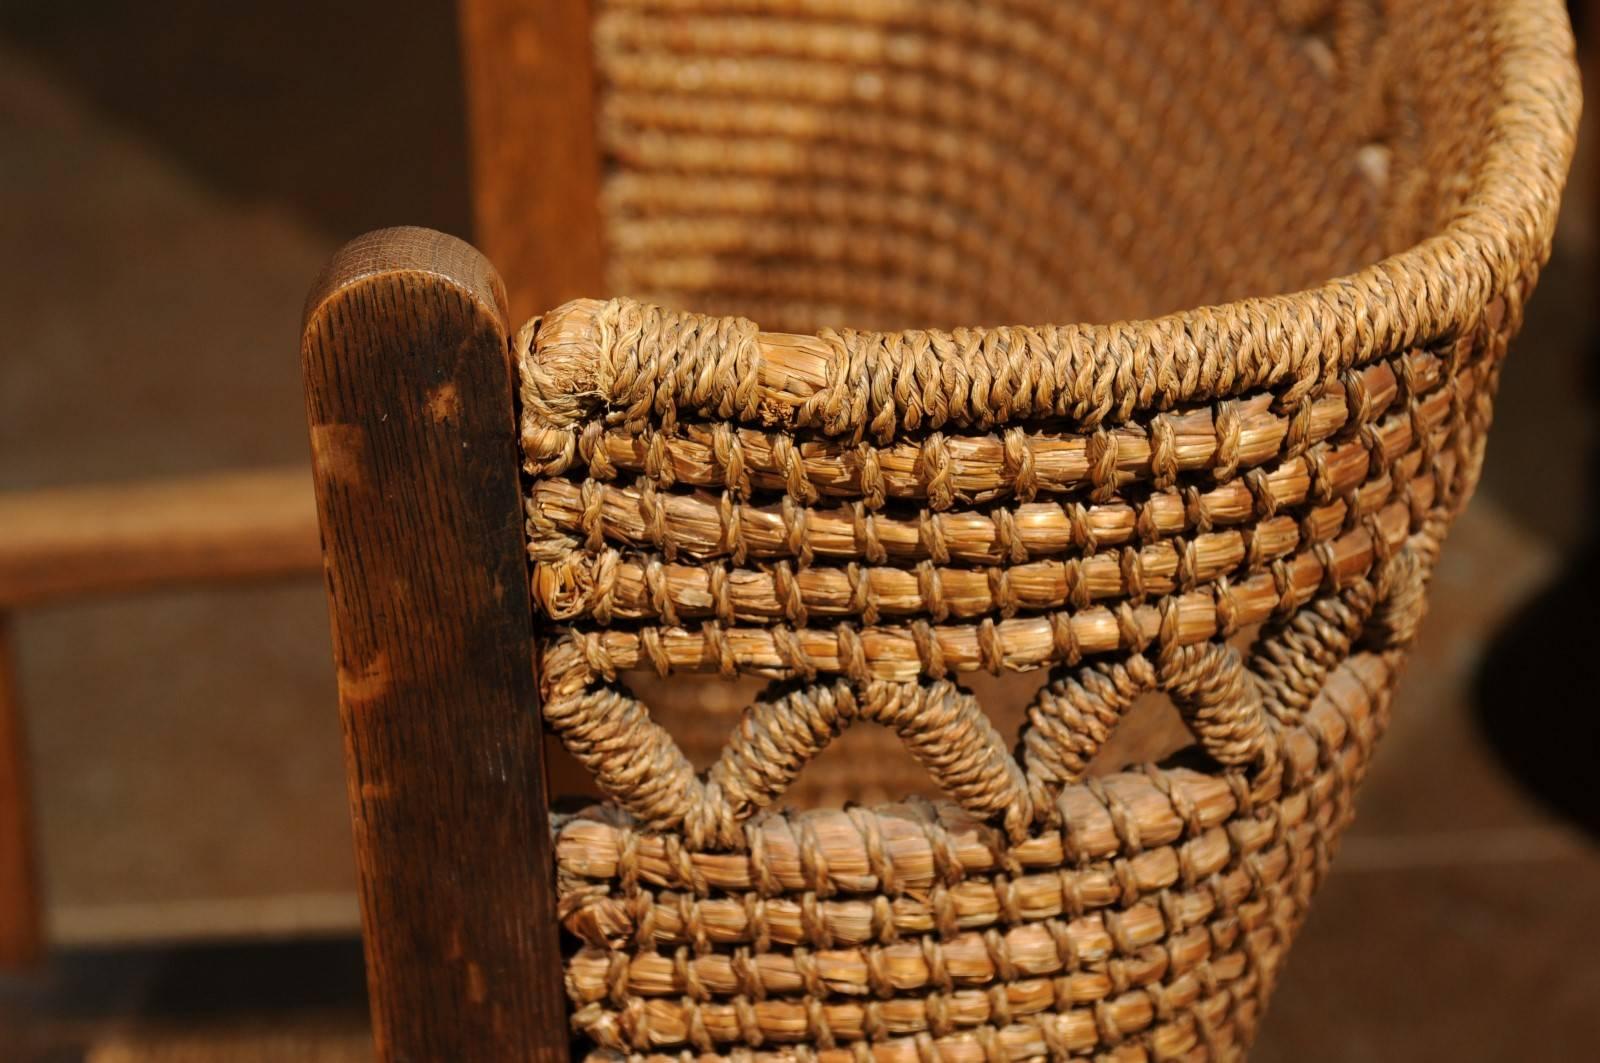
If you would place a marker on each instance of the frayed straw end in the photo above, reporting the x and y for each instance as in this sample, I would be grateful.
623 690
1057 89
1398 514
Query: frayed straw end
559 358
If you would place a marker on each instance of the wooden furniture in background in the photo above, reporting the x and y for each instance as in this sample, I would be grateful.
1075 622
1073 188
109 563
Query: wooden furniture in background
60 544
529 69
21 936
529 86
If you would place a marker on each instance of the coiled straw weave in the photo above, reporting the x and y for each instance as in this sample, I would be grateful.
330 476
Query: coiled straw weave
1235 506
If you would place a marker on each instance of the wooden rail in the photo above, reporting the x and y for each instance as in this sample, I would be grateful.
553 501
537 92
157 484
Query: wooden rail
64 542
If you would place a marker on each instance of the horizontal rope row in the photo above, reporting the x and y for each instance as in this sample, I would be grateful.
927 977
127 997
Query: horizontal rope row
903 653
1058 1025
564 515
650 920
1048 946
1223 440
617 586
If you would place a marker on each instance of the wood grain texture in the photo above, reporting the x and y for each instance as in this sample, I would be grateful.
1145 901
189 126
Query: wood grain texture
409 396
535 158
60 542
21 931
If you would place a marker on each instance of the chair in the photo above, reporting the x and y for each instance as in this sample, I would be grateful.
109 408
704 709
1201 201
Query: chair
1229 498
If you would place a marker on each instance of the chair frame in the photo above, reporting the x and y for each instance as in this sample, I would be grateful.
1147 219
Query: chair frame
409 392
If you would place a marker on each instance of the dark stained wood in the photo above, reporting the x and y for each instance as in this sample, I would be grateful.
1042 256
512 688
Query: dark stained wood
409 395
67 541
21 932
535 161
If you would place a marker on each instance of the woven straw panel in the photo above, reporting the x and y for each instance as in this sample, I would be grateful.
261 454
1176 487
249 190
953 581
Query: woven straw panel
1234 508
884 164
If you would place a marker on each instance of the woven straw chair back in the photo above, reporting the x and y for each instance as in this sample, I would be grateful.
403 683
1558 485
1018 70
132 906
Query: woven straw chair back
884 490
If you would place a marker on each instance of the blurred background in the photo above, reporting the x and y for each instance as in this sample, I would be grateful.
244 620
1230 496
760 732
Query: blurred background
173 176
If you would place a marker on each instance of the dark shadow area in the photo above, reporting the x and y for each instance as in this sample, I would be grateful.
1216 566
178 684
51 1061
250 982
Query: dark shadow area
1536 687
350 114
199 979
63 1011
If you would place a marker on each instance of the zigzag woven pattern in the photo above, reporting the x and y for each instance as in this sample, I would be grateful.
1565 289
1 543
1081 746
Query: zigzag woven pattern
1236 506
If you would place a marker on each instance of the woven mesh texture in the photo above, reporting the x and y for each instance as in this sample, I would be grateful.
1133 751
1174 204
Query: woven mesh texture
1236 506
896 163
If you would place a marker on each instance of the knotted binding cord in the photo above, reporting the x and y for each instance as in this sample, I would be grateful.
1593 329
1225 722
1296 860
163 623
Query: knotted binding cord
643 365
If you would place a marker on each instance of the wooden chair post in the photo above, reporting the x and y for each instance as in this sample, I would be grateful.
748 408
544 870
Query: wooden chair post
409 391
529 70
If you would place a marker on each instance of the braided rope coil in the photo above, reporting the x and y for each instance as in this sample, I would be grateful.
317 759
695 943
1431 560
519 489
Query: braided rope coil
1236 507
